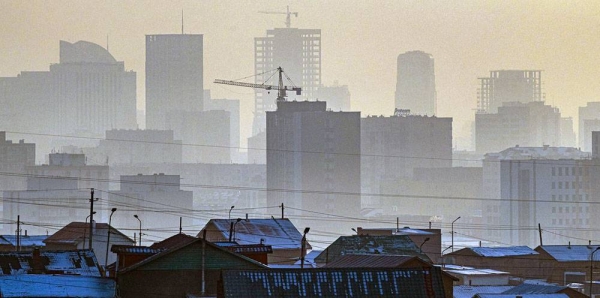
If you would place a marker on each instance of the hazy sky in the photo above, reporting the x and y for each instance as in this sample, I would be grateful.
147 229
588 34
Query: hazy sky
361 41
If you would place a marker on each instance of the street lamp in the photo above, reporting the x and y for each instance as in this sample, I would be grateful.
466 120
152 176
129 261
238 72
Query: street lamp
108 238
303 247
230 212
452 245
135 215
592 269
421 246
85 229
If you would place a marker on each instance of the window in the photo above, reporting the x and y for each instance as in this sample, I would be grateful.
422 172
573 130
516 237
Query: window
553 171
553 197
559 209
566 171
553 209
553 185
559 185
560 171
560 197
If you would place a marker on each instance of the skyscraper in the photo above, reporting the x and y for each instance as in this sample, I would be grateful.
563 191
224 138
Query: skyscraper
174 76
415 85
313 160
509 86
298 52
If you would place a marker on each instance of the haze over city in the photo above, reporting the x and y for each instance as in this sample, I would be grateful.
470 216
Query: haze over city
361 41
303 148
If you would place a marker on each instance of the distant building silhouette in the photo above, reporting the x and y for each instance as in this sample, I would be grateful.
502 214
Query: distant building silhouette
174 76
509 86
86 93
567 133
337 97
527 186
14 158
257 145
313 155
524 124
415 84
298 52
589 120
233 107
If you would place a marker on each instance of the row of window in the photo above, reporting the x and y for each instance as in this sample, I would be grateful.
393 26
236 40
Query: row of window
574 198
567 221
572 170
571 185
572 209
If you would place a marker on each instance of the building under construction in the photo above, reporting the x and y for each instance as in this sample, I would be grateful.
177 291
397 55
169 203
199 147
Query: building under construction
508 86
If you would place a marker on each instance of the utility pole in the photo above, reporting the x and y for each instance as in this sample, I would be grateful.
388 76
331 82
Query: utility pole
18 232
540 231
91 218
282 211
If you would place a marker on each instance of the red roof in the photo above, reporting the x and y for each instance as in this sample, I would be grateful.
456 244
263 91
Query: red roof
74 232
371 261
173 241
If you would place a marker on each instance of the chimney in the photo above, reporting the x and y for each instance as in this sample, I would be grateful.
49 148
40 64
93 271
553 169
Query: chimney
37 265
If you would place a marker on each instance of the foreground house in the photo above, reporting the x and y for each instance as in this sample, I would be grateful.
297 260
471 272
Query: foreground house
192 268
520 261
280 234
333 282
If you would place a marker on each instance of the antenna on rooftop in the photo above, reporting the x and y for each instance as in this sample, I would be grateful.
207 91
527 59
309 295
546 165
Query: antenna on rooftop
182 21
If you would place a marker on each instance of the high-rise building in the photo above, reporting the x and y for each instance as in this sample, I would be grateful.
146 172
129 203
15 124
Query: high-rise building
530 186
85 94
415 85
298 52
174 76
508 86
525 124
392 147
567 133
313 160
14 158
589 120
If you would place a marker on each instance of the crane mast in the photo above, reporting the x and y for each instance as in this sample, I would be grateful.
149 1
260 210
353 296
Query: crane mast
281 89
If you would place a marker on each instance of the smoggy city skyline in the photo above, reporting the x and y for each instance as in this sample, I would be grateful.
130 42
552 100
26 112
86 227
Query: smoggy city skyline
360 44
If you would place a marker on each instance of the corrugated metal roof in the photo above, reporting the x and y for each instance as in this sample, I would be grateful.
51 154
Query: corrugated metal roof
370 261
366 244
463 291
474 271
497 252
535 289
136 250
42 285
569 253
279 233
77 262
323 282
173 241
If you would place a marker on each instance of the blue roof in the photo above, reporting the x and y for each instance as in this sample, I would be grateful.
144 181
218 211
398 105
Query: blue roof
535 289
33 240
570 253
497 252
43 285
469 291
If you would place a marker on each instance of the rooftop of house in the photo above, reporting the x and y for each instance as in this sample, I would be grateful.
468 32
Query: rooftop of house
463 270
280 233
464 291
370 261
71 262
328 282
366 244
568 253
499 252
56 286
25 240
75 232
535 289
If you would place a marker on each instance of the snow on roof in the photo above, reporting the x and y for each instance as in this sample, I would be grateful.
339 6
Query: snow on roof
503 251
463 291
74 233
546 152
279 233
42 285
33 240
569 253
76 262
475 271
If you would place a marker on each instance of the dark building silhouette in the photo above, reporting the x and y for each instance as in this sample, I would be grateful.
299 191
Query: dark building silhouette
313 159
415 85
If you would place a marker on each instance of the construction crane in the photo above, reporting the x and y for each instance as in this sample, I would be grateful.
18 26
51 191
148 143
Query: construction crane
288 21
282 89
